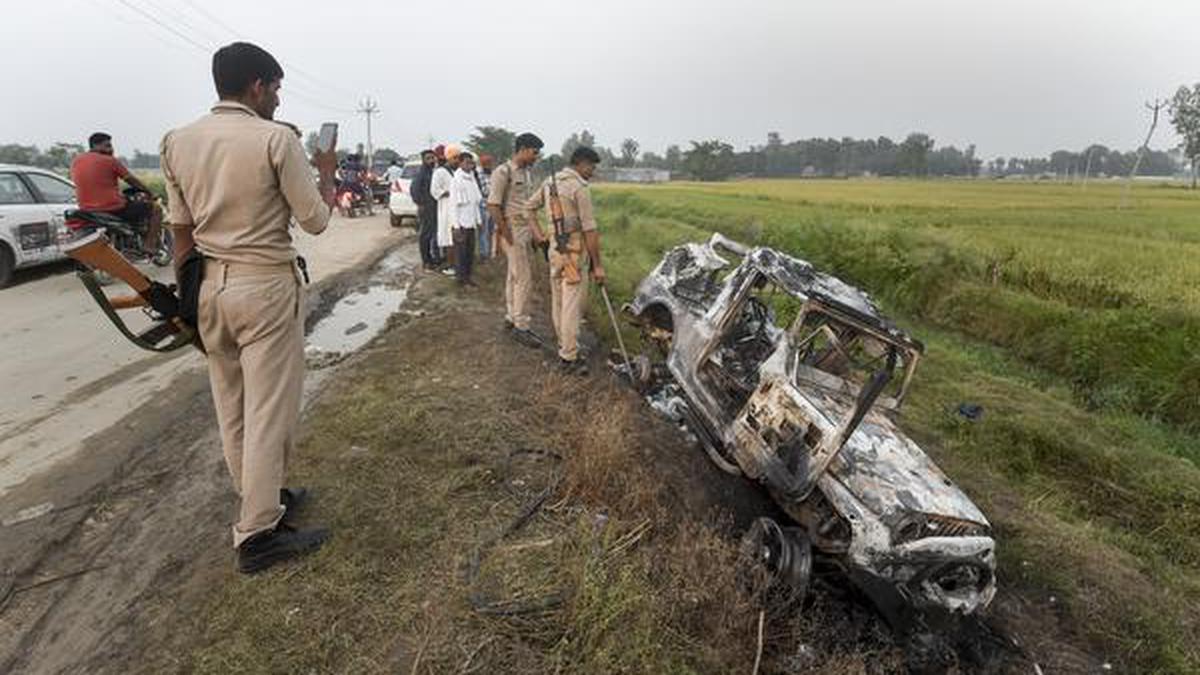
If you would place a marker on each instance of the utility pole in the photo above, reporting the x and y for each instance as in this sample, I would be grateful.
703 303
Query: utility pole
369 107
1155 108
1087 172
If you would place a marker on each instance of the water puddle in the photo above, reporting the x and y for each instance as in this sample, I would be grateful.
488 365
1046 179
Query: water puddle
361 314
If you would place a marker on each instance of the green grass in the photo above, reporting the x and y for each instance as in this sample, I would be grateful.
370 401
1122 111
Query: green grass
1097 286
1071 357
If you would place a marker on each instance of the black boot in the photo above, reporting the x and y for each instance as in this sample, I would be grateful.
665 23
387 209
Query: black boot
283 543
292 499
527 337
576 367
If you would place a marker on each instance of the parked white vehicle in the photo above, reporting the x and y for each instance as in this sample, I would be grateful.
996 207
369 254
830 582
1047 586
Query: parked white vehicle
400 204
32 203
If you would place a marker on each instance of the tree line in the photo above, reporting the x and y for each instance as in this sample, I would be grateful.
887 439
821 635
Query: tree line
58 157
917 155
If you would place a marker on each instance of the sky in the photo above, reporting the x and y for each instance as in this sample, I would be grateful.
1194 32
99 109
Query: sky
1014 77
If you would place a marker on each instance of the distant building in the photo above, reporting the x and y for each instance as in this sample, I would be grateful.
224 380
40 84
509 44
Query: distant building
627 174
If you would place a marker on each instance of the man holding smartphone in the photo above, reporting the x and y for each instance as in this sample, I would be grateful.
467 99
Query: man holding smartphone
235 179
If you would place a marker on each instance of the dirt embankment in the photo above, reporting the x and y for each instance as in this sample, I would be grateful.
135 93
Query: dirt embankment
134 527
490 515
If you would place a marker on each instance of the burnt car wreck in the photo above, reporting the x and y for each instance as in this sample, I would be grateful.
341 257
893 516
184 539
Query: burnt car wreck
792 378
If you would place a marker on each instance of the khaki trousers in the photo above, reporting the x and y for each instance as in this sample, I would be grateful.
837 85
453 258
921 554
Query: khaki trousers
252 323
520 275
566 307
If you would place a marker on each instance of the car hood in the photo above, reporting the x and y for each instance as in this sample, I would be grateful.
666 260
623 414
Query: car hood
893 477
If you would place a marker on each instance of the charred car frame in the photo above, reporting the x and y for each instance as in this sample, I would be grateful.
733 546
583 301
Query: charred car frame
792 378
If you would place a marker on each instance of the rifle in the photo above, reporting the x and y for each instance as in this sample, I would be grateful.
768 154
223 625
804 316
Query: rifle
95 253
562 238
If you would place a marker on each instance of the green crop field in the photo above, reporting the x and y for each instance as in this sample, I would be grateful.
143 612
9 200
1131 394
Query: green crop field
1071 313
1095 284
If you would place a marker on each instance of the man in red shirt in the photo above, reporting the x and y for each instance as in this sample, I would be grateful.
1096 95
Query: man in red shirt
95 174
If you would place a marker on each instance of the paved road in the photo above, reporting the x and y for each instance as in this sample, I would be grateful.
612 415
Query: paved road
67 374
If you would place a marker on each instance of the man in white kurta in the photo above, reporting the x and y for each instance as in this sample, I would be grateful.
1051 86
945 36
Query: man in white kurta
466 197
440 188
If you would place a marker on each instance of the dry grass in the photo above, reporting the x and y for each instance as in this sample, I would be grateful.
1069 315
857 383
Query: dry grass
684 564
424 462
603 431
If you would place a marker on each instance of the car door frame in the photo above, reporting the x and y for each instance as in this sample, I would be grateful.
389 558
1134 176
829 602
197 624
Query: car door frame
55 211
17 216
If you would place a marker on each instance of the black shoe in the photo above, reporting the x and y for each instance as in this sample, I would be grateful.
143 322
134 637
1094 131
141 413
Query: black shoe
527 338
283 543
576 367
292 499
508 325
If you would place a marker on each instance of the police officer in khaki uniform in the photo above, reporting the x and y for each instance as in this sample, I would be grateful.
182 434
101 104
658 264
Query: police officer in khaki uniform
508 199
235 180
568 289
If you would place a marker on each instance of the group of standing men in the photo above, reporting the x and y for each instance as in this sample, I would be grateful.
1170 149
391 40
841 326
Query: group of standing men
450 193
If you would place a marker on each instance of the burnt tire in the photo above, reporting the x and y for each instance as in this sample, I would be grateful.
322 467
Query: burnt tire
8 265
775 563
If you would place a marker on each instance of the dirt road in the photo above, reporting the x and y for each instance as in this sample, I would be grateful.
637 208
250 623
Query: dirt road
68 374
88 420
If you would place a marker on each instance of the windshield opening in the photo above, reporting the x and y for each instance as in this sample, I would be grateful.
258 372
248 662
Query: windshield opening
840 356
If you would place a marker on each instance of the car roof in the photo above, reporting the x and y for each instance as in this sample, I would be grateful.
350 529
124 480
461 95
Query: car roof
25 168
801 278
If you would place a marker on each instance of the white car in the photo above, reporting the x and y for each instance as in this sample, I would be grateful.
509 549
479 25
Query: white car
400 204
32 203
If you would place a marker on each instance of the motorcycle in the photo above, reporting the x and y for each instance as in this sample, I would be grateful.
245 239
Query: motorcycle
353 201
127 238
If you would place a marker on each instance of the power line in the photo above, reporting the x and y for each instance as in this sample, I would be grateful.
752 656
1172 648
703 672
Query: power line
168 27
299 90
291 67
213 18
141 25
165 9
318 103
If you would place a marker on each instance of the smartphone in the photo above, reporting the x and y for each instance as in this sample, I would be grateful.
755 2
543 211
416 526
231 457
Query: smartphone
327 137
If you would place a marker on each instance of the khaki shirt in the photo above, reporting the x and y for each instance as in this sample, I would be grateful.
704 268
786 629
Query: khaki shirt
511 188
237 180
576 199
